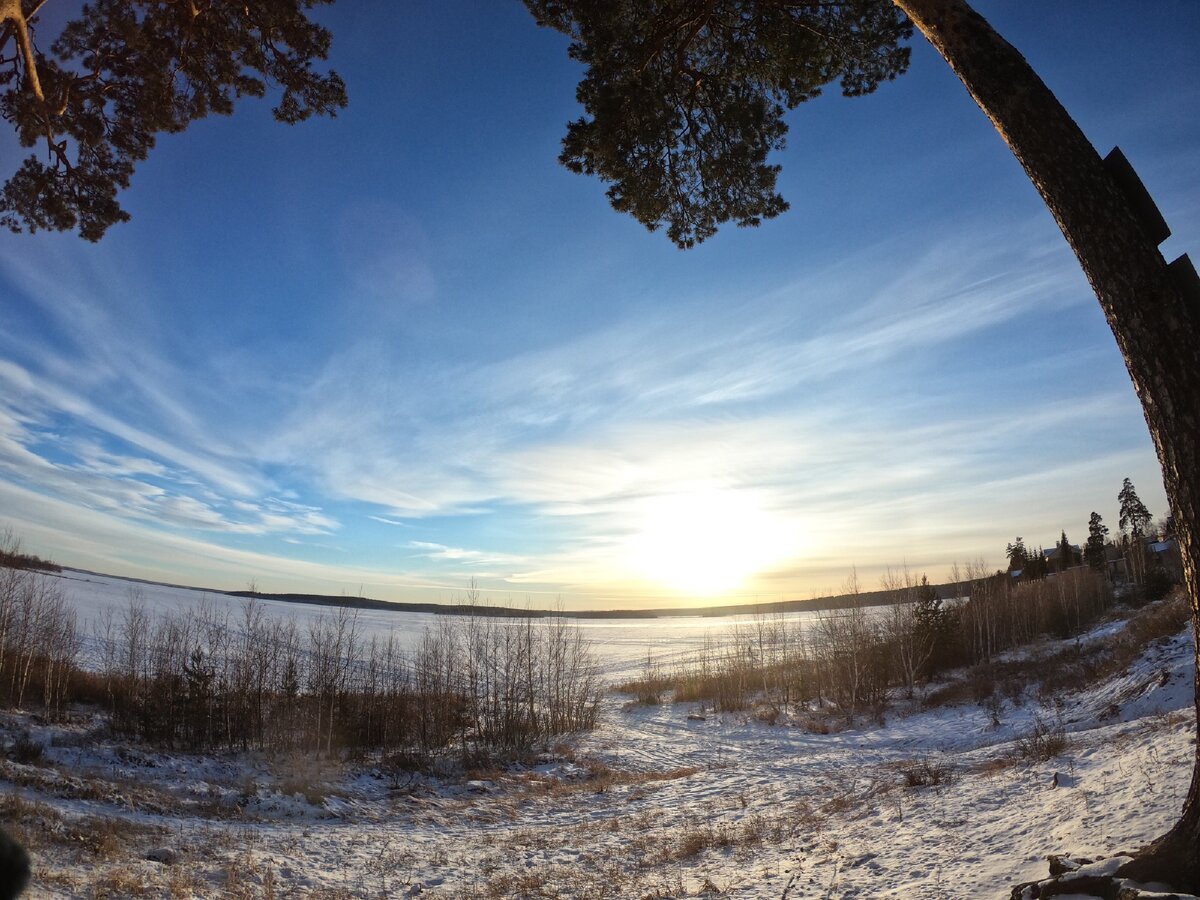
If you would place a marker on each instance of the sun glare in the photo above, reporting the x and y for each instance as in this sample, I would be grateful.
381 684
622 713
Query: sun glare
708 542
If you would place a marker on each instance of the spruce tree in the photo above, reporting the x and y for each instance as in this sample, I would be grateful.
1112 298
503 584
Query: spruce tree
933 627
1066 553
1018 556
1094 552
1037 567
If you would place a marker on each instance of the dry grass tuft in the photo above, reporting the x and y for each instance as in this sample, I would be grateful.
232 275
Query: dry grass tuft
1044 741
927 773
120 882
519 884
1159 620
598 777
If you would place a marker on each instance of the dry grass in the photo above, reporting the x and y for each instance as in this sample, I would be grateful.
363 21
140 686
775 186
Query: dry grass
519 884
1159 620
119 882
308 777
597 778
927 773
248 878
123 792
94 856
822 722
753 831
1044 741
993 765
89 839
183 882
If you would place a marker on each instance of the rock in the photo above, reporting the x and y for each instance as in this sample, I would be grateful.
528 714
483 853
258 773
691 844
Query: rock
1080 877
861 860
1060 864
164 855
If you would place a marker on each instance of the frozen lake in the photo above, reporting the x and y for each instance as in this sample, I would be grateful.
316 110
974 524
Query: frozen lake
621 646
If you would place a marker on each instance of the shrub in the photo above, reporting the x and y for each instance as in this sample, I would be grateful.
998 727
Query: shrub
927 773
1159 620
1044 741
25 749
1157 585
476 689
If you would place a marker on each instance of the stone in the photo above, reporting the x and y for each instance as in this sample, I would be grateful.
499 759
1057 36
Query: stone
1060 864
164 855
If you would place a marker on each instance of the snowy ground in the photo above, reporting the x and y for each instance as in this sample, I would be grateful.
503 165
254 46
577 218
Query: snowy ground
653 804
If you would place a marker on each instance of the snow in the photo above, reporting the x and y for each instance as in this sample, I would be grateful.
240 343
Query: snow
658 801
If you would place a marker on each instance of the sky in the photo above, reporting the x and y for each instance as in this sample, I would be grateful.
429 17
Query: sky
403 351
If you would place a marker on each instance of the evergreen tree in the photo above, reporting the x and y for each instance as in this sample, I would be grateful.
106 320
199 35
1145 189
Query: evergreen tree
685 101
1094 551
1135 518
1018 556
933 627
1134 524
123 72
1037 567
1066 554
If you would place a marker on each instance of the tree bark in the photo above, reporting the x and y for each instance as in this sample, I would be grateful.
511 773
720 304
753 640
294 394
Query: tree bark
1154 319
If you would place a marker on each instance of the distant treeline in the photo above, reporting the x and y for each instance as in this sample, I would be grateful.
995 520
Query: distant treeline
476 610
12 557
439 609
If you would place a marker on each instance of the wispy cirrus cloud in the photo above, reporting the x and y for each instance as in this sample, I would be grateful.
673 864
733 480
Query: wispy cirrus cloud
431 550
181 489
451 437
774 398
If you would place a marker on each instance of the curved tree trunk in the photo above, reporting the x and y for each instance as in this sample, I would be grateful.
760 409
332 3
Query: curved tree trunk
1154 318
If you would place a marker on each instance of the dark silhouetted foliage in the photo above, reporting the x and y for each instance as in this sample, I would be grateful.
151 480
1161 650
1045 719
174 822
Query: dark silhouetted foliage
684 102
125 71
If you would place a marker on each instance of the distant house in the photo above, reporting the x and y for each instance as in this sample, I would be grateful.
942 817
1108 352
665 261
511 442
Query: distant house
1159 554
1053 562
1166 554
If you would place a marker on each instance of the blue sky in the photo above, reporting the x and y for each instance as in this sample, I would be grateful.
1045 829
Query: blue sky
402 349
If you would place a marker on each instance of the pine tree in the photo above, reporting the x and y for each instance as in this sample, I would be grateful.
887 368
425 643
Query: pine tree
685 101
1135 518
1094 551
1134 524
123 72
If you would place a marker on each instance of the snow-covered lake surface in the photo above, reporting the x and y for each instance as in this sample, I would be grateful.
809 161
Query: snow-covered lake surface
621 646
657 802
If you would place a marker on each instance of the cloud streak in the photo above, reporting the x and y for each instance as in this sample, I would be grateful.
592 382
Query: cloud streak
808 401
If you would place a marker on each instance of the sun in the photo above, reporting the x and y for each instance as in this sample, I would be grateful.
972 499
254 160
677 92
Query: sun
707 542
